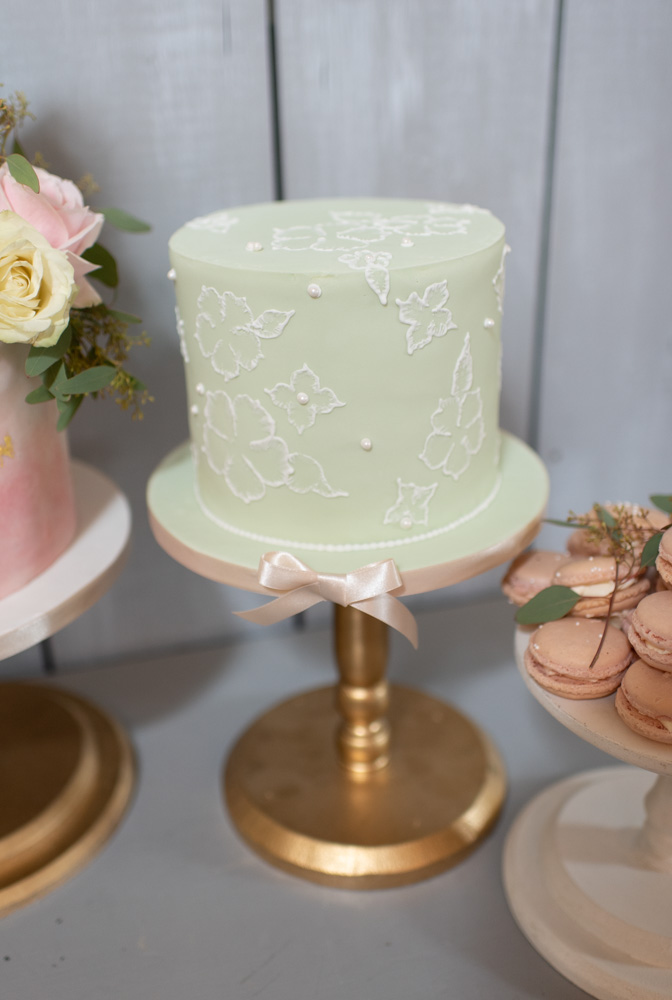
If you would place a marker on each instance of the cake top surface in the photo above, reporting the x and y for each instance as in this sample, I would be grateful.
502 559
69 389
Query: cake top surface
334 235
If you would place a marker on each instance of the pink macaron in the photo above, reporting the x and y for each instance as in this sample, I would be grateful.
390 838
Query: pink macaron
641 521
560 653
664 560
531 572
595 578
644 701
650 630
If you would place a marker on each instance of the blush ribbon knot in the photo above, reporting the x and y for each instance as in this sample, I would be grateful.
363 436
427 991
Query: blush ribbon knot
367 589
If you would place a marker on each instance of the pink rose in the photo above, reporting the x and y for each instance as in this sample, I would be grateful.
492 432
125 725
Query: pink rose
58 212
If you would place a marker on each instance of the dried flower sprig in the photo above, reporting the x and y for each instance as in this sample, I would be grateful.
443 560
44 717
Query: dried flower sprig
622 531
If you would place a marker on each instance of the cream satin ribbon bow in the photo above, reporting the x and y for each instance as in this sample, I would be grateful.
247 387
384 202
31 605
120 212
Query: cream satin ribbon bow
367 589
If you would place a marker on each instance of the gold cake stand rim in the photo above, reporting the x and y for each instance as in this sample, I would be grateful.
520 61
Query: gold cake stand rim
84 815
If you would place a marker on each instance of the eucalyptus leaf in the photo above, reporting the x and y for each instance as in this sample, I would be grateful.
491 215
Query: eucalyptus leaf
55 378
18 148
561 524
122 220
41 358
92 380
605 517
124 317
106 271
663 501
547 606
650 550
39 395
67 409
22 171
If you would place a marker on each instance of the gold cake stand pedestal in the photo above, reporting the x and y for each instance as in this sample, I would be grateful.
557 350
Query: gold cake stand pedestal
66 769
360 785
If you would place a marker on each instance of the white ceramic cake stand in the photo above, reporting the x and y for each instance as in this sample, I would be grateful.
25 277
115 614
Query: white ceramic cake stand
66 769
588 862
358 785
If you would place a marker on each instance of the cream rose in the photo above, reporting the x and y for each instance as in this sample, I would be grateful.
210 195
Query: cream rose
37 285
59 213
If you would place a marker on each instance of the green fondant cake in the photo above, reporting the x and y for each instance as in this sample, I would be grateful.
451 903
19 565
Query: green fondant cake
343 368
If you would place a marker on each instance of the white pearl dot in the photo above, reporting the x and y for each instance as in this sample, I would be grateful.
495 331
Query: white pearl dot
302 398
172 274
314 291
200 389
253 246
366 444
194 410
407 242
406 523
488 323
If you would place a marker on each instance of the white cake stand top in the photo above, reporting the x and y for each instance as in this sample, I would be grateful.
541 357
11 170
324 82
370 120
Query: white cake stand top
81 575
597 721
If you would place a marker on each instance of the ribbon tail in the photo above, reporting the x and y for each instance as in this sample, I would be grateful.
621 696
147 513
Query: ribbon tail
284 606
390 610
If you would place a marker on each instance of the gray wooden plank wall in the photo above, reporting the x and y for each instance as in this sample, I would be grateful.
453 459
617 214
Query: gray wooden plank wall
553 113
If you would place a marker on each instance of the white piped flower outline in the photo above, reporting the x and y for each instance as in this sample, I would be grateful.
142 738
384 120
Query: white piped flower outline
498 280
181 333
241 445
458 429
427 317
229 335
376 267
318 399
217 222
412 503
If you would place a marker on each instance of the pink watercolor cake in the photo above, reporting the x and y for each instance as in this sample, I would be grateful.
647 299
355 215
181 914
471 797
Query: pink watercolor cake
37 508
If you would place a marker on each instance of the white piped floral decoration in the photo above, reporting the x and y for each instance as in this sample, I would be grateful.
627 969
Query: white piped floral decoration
412 504
181 333
426 317
458 429
228 333
218 222
303 398
240 444
498 280
376 268
308 477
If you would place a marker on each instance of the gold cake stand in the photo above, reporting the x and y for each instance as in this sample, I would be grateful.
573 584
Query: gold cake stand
361 785
66 769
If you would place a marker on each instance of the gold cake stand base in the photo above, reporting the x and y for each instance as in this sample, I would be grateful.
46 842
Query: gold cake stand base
295 803
66 777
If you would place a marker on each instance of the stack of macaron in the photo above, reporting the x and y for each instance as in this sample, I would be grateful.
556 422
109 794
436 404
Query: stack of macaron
644 700
635 644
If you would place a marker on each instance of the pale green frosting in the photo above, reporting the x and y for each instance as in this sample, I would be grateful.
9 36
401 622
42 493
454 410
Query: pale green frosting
343 368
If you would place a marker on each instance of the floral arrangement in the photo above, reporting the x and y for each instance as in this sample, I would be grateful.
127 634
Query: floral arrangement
49 251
